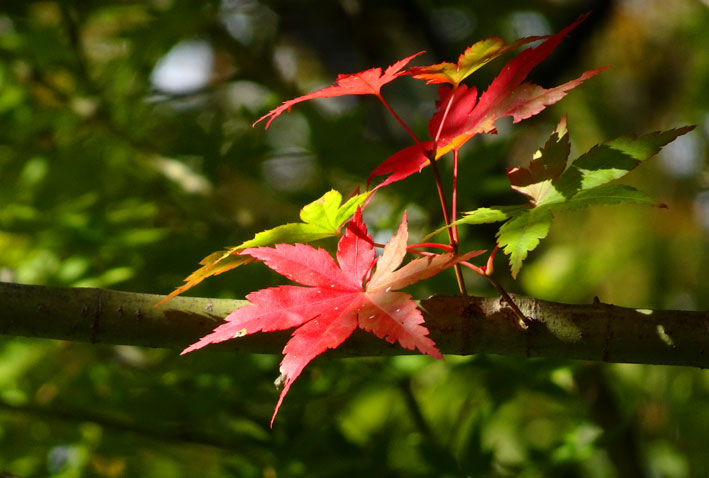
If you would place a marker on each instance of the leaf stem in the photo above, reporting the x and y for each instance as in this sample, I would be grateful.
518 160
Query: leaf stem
522 319
445 114
398 119
445 247
439 188
447 220
454 196
474 268
452 233
413 247
486 271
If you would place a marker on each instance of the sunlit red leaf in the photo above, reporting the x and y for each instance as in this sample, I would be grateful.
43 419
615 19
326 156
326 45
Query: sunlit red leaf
461 114
368 82
507 95
406 162
455 105
340 297
522 102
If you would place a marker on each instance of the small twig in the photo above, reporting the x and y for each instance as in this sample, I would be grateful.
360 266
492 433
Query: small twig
522 320
454 196
398 119
441 195
445 247
447 220
486 271
445 114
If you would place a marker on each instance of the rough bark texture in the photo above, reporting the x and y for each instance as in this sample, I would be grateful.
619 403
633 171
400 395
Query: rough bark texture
461 326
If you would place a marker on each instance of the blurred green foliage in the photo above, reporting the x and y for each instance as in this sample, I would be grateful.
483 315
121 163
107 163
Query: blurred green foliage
127 155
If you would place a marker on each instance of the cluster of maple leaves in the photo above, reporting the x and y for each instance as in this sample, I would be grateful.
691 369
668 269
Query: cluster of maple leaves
359 289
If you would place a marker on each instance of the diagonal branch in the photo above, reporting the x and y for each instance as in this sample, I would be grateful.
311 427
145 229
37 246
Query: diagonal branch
458 325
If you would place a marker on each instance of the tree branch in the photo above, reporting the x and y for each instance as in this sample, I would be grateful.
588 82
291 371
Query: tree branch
458 325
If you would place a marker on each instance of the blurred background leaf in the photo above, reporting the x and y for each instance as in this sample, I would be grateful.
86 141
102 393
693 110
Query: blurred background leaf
127 155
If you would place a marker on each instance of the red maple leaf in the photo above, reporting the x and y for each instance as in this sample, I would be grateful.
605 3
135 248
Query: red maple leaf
368 82
461 114
404 163
339 297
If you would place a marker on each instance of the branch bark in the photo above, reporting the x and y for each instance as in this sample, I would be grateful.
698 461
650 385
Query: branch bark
458 325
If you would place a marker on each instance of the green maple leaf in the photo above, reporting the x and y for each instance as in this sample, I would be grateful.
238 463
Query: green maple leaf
551 184
321 218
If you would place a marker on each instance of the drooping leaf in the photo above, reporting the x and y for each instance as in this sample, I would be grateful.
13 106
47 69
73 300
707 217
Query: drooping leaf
461 114
339 297
550 185
368 82
321 218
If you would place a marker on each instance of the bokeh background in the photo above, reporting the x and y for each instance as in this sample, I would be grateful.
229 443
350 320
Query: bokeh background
127 154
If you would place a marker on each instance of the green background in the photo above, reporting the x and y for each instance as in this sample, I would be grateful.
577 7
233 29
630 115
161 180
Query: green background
108 179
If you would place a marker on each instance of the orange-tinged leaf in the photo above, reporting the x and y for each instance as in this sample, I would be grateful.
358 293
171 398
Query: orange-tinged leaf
393 255
321 218
214 264
473 58
422 268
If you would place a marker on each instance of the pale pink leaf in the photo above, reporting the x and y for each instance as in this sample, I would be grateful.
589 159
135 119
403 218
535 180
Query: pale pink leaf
420 269
393 255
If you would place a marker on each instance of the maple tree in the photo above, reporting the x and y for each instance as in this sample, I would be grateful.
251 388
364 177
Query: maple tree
360 290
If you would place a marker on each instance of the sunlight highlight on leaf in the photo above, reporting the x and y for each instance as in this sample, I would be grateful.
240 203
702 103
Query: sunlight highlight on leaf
550 185
340 297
